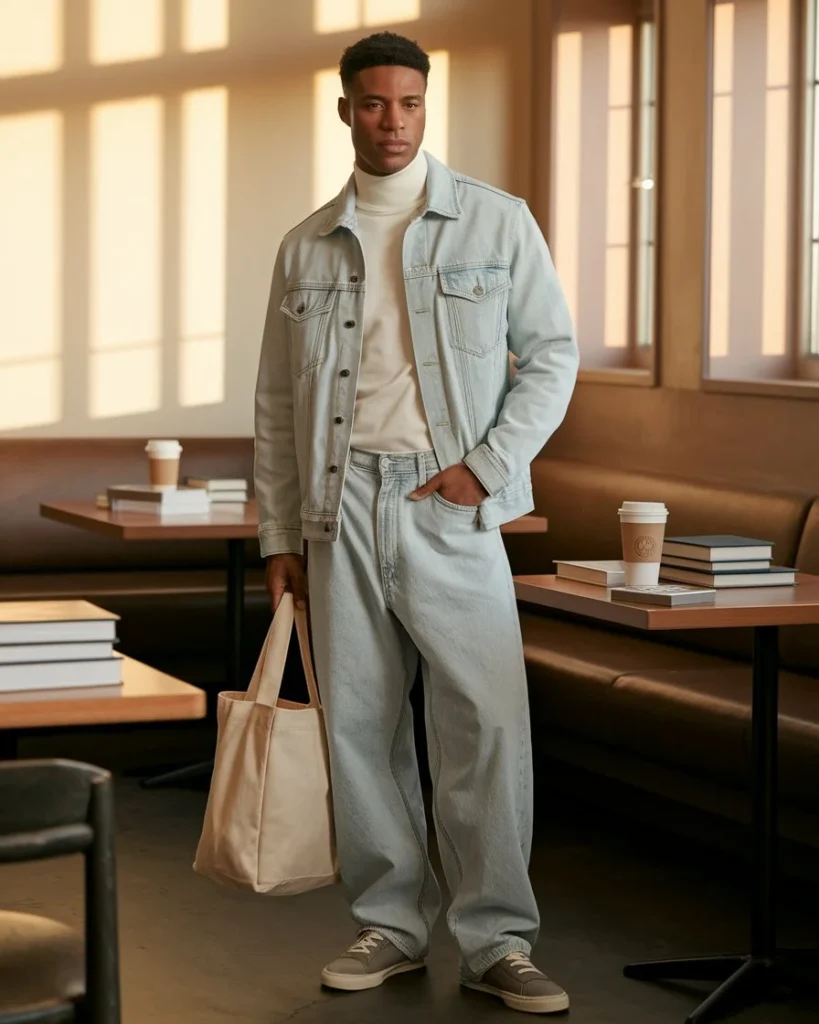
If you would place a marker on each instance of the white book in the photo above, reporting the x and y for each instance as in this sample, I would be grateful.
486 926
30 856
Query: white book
669 596
216 484
156 496
220 497
58 675
193 509
603 573
19 653
46 622
229 506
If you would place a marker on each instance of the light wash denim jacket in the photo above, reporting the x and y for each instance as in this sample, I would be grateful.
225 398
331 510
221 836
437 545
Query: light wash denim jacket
479 283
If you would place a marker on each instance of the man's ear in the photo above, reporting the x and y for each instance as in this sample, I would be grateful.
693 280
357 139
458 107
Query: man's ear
344 110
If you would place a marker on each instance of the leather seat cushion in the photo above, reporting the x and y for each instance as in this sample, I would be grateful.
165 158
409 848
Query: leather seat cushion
670 706
574 673
41 961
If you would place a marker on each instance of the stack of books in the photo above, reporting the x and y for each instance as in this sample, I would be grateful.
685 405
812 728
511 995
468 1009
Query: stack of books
723 560
183 501
224 493
601 573
49 645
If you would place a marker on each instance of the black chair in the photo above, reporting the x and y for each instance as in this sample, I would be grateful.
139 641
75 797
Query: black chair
48 975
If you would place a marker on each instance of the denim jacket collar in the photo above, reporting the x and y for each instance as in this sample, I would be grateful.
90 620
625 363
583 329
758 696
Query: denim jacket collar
442 198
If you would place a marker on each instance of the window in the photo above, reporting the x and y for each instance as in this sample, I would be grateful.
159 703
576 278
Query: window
603 197
763 278
809 361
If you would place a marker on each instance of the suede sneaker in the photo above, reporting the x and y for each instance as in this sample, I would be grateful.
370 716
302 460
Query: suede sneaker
368 963
517 981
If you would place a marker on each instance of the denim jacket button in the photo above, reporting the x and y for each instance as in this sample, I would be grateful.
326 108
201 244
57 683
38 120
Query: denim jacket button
354 279
477 290
349 323
327 528
339 419
300 308
333 469
344 373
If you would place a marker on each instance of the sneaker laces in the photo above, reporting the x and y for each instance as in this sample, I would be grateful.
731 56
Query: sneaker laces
366 943
522 964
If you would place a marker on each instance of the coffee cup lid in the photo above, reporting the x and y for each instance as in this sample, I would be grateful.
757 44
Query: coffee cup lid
645 508
163 446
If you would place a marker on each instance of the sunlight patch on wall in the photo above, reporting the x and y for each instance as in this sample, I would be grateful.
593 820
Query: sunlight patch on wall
124 383
30 269
126 30
436 138
205 25
346 15
569 75
202 253
31 37
126 255
332 149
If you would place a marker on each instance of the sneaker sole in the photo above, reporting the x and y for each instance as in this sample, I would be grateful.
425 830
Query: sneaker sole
361 982
526 1004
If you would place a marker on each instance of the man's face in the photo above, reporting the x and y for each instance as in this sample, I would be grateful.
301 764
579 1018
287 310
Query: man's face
386 113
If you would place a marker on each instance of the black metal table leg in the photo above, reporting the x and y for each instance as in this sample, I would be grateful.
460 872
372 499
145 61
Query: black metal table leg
235 608
749 976
8 745
235 612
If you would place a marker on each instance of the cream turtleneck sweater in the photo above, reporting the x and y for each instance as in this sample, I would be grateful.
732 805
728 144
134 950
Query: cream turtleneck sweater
389 414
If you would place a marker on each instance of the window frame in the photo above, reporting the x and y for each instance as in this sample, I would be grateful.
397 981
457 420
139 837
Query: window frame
642 368
803 379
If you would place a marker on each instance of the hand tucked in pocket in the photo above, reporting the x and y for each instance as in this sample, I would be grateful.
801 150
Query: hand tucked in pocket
457 485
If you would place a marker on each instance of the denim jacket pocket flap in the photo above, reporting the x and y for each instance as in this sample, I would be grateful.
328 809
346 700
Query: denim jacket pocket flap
302 303
474 283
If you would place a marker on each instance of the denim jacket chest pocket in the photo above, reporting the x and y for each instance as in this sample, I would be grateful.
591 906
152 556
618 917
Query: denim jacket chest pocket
307 310
476 298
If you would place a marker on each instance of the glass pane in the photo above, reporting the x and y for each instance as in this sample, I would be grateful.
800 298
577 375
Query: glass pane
814 299
645 195
603 152
751 196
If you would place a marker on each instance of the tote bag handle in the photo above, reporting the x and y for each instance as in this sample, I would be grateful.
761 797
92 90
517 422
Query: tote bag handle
266 682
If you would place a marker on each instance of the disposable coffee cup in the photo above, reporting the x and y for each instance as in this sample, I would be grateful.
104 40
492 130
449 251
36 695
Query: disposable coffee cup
642 528
163 464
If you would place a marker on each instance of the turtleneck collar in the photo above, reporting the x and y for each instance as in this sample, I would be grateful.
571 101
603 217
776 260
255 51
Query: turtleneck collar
392 193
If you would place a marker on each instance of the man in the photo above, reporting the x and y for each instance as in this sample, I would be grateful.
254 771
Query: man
389 438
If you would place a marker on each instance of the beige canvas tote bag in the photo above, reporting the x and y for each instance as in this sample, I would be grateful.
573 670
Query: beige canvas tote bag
269 822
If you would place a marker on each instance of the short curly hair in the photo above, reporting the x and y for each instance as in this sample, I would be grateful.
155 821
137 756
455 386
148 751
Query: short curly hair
382 48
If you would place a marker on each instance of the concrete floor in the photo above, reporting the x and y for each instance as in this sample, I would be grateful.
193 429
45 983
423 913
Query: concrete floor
194 953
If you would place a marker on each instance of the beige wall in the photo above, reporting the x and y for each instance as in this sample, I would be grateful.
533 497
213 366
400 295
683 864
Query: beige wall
150 194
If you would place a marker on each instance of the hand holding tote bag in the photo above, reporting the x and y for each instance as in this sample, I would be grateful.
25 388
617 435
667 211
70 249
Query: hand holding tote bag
269 821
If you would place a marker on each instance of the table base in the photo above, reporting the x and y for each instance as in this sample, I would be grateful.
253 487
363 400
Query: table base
748 979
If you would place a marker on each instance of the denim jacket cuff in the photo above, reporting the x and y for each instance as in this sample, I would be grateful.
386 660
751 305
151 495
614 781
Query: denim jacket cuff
488 469
274 540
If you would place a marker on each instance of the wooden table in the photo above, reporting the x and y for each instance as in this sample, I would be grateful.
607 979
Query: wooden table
233 527
146 695
215 525
218 524
764 610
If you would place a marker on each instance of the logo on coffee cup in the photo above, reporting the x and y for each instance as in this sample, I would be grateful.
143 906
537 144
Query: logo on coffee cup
644 546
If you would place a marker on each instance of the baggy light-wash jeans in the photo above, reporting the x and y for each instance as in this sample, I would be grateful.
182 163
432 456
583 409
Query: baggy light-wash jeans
409 579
